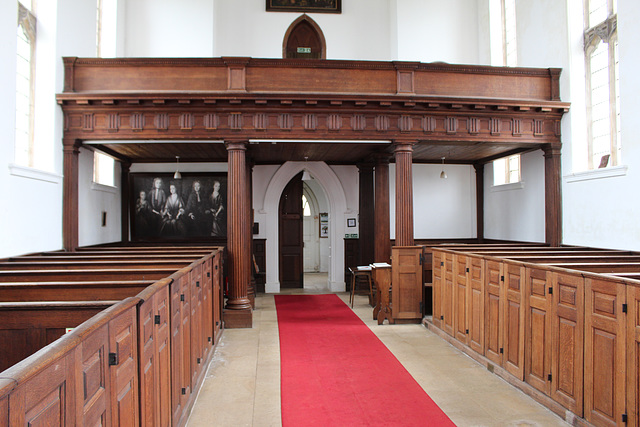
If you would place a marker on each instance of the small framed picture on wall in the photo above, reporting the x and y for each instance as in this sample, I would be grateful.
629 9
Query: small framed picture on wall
351 222
324 225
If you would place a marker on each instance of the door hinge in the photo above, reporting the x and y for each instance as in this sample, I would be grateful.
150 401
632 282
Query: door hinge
502 278
216 267
441 264
441 317
550 290
467 332
197 283
184 390
210 339
549 377
156 319
624 308
208 274
467 269
181 297
113 359
501 350
624 418
217 323
198 360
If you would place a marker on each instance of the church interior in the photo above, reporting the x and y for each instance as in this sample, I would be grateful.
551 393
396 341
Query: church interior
460 169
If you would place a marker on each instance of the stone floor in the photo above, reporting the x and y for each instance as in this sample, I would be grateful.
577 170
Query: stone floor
242 386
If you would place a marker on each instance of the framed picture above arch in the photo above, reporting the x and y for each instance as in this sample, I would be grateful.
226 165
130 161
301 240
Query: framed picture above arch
307 6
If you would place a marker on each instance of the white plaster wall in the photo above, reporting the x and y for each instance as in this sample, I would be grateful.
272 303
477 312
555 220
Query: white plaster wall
603 211
166 28
93 200
442 208
516 212
435 30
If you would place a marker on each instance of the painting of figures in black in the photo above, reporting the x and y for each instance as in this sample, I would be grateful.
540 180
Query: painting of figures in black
166 208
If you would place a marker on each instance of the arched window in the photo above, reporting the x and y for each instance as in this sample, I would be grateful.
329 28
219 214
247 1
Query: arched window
304 39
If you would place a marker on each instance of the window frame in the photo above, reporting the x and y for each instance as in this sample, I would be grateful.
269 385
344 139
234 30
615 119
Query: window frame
603 32
98 175
28 23
505 172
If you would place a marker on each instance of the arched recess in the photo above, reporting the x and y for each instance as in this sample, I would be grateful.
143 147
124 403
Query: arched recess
337 200
304 40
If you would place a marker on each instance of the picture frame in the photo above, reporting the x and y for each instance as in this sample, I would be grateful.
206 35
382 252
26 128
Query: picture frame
156 214
324 225
351 222
305 6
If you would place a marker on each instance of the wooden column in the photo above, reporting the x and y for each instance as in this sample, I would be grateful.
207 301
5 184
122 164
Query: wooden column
404 193
251 291
125 168
479 167
237 313
366 215
553 194
382 235
71 149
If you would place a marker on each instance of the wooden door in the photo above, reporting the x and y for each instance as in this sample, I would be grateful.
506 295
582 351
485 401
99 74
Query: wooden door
447 293
304 42
460 298
95 393
290 233
604 355
123 342
567 337
493 312
438 267
633 359
406 279
196 322
513 340
537 366
476 304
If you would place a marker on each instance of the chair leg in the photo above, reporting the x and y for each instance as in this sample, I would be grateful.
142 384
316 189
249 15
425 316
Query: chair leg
370 290
353 289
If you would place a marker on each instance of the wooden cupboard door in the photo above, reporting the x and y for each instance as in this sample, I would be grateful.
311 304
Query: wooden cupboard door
460 298
493 311
438 267
633 355
604 378
216 272
476 304
513 341
207 306
148 407
46 399
406 291
537 367
162 351
176 351
93 385
447 294
567 340
196 322
123 343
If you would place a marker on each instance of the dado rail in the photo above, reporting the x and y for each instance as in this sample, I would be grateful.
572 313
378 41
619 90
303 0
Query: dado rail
145 319
563 324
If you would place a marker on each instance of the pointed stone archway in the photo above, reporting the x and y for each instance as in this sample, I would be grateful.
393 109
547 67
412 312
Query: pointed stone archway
338 213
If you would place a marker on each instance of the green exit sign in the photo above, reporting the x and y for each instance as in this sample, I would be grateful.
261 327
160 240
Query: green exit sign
304 50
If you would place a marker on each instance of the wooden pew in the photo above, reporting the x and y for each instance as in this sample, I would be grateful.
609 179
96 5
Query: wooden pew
29 326
59 275
171 366
550 321
71 291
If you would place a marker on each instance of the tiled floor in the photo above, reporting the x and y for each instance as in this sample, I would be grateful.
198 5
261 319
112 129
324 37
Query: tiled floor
242 387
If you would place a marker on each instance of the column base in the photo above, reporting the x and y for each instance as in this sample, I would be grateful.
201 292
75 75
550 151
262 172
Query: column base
237 319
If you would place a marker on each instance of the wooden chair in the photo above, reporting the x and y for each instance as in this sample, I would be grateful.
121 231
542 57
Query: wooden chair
363 272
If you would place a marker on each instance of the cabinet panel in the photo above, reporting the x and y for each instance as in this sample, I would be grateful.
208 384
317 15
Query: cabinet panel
447 291
538 329
438 267
567 335
476 304
493 312
604 352
460 298
633 355
406 292
514 320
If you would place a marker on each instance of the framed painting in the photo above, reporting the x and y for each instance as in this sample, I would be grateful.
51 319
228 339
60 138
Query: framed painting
164 208
306 6
324 225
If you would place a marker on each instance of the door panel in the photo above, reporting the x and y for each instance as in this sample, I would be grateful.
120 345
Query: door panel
407 282
537 329
290 233
493 313
476 304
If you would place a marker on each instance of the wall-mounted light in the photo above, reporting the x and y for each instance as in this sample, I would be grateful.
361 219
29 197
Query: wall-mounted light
306 176
443 174
177 175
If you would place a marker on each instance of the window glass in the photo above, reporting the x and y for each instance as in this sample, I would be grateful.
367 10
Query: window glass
506 170
103 169
306 209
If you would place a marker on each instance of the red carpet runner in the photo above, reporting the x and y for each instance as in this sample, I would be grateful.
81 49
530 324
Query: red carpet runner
336 372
